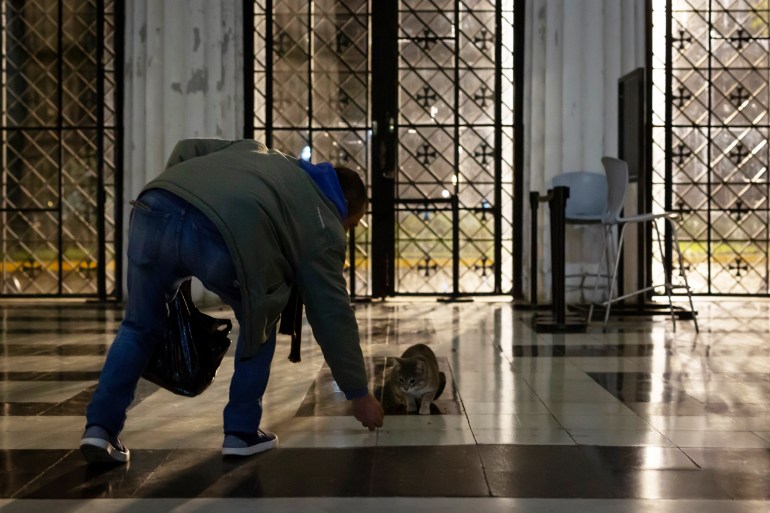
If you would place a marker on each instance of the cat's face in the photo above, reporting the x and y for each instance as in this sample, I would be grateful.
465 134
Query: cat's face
408 374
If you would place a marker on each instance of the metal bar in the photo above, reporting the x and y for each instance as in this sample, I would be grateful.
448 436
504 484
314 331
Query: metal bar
269 78
669 110
518 147
59 131
534 200
557 203
498 144
119 45
385 145
101 196
3 139
709 188
248 69
310 71
456 194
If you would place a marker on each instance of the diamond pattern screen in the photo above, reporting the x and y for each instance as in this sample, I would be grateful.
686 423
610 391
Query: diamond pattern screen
454 186
58 148
455 178
711 109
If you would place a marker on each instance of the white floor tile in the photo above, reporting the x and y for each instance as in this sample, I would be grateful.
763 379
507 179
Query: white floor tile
400 437
525 436
627 438
726 439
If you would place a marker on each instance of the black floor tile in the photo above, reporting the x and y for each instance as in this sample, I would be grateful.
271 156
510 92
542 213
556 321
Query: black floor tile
738 460
439 471
53 349
423 471
20 467
665 484
74 478
540 471
49 376
745 485
23 409
301 473
185 473
638 458
61 330
557 483
533 458
534 350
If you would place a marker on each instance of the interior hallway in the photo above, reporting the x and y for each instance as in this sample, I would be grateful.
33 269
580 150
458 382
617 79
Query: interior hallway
637 419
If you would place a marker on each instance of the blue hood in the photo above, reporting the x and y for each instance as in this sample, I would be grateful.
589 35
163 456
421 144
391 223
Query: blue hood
325 177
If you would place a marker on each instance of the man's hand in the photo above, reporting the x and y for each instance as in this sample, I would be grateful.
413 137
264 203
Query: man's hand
369 411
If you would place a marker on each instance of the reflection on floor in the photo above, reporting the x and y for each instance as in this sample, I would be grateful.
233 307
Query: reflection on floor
638 418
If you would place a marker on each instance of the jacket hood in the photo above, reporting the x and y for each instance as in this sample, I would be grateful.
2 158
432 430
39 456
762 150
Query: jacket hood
325 177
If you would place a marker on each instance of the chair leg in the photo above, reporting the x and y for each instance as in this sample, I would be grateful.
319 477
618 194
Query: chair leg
614 276
610 257
684 273
668 272
598 273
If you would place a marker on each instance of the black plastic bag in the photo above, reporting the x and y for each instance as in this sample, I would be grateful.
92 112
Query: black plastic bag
186 362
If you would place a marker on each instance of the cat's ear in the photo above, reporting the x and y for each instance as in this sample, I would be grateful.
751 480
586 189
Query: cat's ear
397 362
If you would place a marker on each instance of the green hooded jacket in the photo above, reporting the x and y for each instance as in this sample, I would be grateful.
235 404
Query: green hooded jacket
281 231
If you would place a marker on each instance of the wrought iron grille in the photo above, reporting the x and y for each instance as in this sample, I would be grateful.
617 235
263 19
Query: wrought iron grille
711 108
454 185
59 144
312 90
453 209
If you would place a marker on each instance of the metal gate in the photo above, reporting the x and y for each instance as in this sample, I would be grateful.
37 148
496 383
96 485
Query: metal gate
60 148
711 123
416 95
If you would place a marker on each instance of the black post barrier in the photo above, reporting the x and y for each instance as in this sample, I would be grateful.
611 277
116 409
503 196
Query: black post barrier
558 321
557 203
534 200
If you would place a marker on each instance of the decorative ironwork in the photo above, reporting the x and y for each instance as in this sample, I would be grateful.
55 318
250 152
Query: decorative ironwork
426 40
455 129
714 102
427 267
60 138
679 42
313 99
483 267
739 37
738 267
426 154
449 154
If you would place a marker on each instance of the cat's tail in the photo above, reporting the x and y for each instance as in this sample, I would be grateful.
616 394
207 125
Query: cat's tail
441 384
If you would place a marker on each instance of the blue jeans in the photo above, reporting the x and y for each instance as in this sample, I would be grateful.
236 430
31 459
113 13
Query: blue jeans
169 241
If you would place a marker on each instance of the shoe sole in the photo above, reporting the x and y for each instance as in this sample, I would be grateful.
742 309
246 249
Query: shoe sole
248 451
98 450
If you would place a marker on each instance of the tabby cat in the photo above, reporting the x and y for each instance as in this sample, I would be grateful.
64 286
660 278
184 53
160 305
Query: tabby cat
415 377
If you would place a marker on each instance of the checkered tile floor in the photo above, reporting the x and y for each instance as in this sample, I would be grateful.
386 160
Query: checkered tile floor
638 418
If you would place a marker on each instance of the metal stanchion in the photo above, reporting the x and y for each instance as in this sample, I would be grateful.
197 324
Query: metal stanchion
558 321
534 200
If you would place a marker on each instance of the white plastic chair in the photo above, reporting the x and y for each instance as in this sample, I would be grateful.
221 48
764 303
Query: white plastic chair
586 204
587 200
616 171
